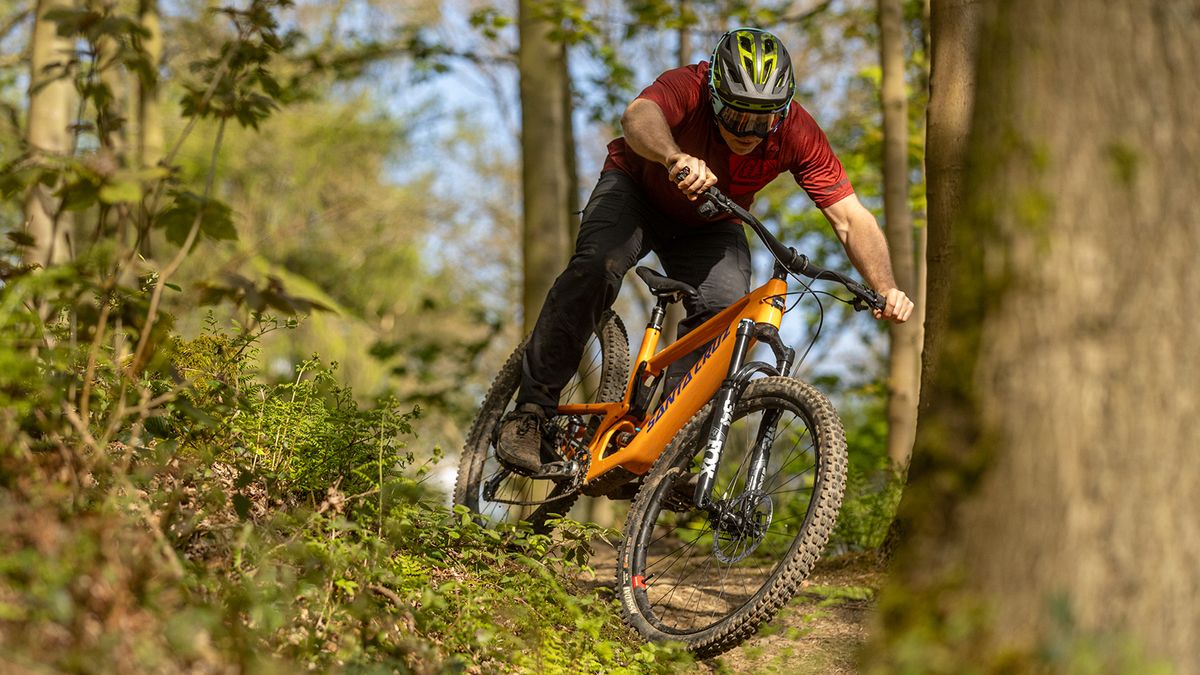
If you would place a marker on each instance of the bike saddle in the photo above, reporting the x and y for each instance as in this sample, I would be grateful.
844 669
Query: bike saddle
662 286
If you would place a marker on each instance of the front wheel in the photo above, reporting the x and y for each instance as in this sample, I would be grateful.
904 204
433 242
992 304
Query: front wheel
709 578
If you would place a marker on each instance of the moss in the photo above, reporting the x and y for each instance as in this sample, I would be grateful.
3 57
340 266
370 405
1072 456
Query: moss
1123 160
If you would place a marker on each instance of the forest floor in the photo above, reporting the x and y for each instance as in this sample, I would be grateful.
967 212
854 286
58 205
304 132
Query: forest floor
819 631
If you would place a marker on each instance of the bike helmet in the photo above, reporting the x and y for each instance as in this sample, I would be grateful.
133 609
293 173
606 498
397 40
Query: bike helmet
751 82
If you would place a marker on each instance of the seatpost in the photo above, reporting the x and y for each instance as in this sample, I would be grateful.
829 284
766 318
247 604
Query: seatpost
658 314
722 415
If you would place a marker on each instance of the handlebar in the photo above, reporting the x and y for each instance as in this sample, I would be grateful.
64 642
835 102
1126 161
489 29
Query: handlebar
716 202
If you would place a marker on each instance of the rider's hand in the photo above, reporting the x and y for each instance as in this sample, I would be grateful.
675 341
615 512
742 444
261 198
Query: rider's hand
898 307
698 179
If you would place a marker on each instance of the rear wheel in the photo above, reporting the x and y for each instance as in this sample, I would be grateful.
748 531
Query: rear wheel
709 578
602 375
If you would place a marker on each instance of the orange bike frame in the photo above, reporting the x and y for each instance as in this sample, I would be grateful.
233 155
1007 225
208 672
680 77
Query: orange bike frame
651 434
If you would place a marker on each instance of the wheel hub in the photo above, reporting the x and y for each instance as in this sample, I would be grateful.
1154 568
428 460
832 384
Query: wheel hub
739 525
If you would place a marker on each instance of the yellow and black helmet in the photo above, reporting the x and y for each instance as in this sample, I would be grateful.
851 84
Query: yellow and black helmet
751 82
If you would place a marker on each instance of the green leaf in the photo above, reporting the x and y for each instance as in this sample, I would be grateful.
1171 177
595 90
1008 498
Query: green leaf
216 218
72 21
21 238
127 192
80 195
242 504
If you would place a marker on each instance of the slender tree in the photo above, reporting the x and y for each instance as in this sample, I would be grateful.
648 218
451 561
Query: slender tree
1052 493
904 358
544 170
149 114
570 161
47 133
954 31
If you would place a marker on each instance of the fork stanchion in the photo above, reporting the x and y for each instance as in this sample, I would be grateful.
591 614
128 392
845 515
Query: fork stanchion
722 415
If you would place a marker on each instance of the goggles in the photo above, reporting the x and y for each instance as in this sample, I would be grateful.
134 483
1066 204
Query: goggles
744 124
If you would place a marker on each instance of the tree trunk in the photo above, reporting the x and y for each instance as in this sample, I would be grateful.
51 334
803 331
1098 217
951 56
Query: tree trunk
954 34
570 162
670 331
1052 494
543 165
48 133
150 142
904 363
684 55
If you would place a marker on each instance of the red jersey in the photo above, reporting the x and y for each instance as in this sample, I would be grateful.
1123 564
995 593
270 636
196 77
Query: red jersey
798 145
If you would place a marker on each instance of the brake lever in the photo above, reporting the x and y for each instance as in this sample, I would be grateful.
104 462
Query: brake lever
873 301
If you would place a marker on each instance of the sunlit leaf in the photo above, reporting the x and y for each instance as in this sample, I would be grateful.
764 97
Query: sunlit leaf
123 192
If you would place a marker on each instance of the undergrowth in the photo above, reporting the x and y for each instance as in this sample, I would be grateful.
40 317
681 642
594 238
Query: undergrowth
279 527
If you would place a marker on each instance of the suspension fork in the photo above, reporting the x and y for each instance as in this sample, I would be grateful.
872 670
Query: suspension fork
723 404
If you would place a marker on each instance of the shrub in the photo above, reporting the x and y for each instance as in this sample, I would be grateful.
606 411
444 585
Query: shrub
218 544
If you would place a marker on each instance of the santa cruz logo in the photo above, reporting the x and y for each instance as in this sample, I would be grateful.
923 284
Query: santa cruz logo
687 378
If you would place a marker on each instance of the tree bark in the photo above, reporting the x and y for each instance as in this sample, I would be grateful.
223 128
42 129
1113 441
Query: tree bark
1052 494
904 363
48 133
543 155
954 35
150 141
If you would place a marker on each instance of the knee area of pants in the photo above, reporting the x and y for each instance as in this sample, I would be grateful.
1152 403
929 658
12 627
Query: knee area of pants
597 268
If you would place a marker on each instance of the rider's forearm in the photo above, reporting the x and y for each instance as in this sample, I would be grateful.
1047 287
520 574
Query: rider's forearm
866 246
647 132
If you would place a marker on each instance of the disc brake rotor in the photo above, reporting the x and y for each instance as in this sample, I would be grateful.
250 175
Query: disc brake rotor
739 526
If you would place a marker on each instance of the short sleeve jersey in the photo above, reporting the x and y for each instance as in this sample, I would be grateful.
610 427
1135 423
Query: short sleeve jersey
798 146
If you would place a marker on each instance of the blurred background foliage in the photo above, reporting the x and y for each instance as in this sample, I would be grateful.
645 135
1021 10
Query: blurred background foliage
383 187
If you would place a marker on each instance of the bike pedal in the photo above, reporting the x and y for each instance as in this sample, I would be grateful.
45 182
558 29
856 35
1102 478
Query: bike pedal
556 471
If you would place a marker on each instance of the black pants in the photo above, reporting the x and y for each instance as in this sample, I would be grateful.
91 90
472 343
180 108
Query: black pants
619 228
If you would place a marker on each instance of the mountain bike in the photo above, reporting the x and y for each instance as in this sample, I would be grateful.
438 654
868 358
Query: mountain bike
736 474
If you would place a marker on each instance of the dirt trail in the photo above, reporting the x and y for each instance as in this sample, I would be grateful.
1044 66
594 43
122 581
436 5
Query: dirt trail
819 631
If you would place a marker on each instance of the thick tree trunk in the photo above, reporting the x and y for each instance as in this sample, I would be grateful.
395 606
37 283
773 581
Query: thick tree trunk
543 155
904 363
1053 488
48 133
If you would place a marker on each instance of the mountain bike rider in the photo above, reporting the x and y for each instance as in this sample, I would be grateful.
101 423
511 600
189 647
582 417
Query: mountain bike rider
732 122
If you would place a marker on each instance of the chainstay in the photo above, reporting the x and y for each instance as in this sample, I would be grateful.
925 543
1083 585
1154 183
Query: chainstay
538 502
